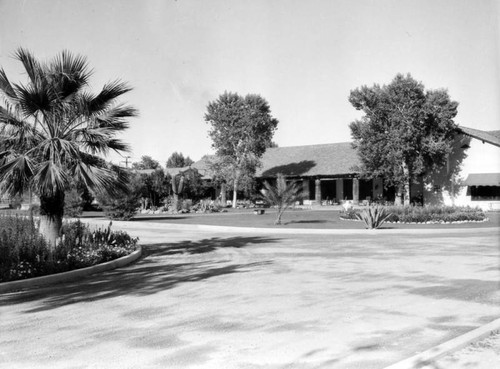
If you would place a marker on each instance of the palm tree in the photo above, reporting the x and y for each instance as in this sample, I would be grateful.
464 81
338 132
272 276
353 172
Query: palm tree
53 130
282 196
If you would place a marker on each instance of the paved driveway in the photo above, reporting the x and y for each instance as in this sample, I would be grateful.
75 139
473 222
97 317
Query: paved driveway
200 299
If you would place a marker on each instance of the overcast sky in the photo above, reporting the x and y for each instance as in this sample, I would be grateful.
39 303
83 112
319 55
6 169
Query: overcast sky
302 56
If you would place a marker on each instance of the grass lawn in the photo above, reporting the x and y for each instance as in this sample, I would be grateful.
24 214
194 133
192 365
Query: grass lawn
294 218
319 219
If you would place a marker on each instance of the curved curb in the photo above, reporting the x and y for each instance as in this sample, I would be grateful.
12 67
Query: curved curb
229 229
427 357
71 275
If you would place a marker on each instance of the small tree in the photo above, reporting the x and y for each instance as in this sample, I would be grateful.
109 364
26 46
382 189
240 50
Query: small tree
406 132
177 160
241 130
282 195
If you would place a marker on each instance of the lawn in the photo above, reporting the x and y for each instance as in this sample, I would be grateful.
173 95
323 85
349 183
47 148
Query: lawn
318 219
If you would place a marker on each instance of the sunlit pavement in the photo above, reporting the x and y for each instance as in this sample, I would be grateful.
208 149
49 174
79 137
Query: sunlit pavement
200 299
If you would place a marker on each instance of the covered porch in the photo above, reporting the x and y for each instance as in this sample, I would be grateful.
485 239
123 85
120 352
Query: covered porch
338 189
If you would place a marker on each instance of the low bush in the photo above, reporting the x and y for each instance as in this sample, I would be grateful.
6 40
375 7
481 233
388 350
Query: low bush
426 214
208 206
24 253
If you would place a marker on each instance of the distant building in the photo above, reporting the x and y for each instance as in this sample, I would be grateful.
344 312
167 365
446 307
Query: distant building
328 173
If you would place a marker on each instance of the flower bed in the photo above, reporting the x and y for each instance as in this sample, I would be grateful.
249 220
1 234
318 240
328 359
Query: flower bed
24 253
426 214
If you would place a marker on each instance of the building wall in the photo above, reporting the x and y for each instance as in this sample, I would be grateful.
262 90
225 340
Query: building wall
446 188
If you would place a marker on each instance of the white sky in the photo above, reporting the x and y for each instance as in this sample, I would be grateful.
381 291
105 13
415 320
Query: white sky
303 56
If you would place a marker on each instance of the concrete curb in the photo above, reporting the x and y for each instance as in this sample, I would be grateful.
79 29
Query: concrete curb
228 229
426 358
71 275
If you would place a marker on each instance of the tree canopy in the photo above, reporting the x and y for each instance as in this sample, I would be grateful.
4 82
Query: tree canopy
53 130
177 160
406 131
241 130
147 162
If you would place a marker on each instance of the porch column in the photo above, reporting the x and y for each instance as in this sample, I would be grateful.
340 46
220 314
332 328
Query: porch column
305 189
318 191
355 191
340 190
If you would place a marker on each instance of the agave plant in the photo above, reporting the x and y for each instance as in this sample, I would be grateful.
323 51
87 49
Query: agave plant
374 216
54 130
282 196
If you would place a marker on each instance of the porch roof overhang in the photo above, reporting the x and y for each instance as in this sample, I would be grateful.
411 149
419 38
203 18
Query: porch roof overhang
483 179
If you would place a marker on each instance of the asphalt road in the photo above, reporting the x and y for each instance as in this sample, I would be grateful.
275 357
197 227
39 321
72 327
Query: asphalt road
202 299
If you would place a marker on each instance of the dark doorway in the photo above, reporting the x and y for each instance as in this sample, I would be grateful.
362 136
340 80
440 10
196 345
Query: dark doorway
347 189
328 190
365 189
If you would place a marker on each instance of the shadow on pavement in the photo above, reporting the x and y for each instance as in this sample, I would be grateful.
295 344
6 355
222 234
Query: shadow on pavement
156 271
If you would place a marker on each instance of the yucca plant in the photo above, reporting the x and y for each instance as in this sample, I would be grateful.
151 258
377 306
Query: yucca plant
282 196
374 216
54 130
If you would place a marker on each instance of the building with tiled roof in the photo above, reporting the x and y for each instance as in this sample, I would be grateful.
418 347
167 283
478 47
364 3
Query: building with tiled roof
329 174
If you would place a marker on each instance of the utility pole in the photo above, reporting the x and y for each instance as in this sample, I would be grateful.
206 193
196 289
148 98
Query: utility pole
126 161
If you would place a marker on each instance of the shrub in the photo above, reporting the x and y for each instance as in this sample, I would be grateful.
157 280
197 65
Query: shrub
435 214
123 208
425 214
374 216
208 206
24 253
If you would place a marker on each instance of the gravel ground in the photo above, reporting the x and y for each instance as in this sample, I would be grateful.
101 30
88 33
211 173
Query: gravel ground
260 301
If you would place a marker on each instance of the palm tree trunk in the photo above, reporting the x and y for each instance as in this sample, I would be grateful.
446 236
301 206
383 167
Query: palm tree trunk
176 202
51 215
50 228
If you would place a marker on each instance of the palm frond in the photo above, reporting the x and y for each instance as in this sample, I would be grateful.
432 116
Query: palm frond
106 97
115 117
32 99
15 173
6 87
33 67
68 73
100 179
51 178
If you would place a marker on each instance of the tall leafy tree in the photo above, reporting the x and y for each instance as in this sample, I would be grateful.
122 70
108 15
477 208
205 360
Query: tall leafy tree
406 132
54 130
241 130
147 162
177 160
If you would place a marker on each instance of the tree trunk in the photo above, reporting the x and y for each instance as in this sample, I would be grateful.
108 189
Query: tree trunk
235 193
406 189
407 193
50 228
176 202
398 200
279 213
51 214
223 194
